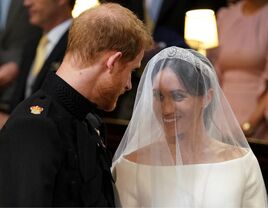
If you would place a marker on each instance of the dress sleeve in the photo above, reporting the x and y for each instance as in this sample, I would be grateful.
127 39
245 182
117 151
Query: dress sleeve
254 193
29 160
125 189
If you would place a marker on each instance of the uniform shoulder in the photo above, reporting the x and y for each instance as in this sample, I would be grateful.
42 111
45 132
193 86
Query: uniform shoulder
30 123
37 105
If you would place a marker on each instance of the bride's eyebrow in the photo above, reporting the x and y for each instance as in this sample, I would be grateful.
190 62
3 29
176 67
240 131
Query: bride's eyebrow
172 91
184 92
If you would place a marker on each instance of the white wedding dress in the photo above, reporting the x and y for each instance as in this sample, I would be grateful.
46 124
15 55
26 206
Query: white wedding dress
228 184
183 146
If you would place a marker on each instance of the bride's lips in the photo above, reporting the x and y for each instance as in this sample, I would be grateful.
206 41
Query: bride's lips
171 119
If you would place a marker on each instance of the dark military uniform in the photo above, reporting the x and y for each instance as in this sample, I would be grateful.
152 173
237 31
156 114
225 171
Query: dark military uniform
52 154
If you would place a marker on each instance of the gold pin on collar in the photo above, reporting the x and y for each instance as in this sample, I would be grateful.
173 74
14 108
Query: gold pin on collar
98 131
36 109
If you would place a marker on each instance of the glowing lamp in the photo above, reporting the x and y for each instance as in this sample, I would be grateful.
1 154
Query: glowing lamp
201 29
82 5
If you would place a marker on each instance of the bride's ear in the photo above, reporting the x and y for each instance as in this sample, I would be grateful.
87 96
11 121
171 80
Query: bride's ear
208 98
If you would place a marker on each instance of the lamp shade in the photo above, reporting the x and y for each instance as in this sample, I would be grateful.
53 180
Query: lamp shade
82 5
201 29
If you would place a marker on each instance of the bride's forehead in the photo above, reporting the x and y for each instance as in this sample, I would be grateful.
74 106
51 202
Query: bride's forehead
165 73
167 79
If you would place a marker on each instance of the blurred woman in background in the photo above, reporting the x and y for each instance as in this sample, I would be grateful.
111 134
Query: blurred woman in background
242 63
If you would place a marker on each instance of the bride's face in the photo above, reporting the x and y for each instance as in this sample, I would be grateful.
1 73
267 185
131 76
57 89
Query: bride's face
179 111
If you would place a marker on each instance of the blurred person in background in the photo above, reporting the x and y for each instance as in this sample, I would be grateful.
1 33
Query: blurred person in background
242 63
42 53
15 31
165 19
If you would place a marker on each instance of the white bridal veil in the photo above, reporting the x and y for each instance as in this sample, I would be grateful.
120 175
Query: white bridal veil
183 137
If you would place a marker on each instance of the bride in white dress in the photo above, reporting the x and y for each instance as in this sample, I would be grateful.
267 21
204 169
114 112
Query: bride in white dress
183 146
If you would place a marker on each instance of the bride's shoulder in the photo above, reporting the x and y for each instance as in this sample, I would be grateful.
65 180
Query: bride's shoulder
144 154
228 151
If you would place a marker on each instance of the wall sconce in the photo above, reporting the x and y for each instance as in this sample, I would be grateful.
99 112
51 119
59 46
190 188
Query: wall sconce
201 30
82 5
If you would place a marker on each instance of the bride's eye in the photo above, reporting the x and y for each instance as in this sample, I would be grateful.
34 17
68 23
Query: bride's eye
177 96
157 95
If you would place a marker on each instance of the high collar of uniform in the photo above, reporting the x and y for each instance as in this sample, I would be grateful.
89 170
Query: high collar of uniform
72 100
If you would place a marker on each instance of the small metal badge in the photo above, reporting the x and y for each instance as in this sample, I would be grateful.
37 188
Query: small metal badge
97 131
100 143
36 109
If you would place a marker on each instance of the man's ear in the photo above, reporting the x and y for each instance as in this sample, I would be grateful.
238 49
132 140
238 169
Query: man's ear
112 59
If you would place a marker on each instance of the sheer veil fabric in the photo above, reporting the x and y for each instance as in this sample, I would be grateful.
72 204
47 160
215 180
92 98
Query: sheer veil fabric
181 131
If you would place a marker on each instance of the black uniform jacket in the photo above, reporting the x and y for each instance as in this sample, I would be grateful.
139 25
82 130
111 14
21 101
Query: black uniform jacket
50 155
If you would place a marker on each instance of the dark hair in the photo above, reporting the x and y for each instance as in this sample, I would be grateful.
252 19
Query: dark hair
187 73
195 82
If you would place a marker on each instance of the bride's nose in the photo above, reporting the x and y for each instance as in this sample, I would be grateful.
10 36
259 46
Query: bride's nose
168 106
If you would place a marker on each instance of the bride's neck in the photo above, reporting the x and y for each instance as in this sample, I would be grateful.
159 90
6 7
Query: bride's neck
188 142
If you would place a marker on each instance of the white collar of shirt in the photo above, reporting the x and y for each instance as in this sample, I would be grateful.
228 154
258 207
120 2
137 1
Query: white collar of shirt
55 34
153 8
4 9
